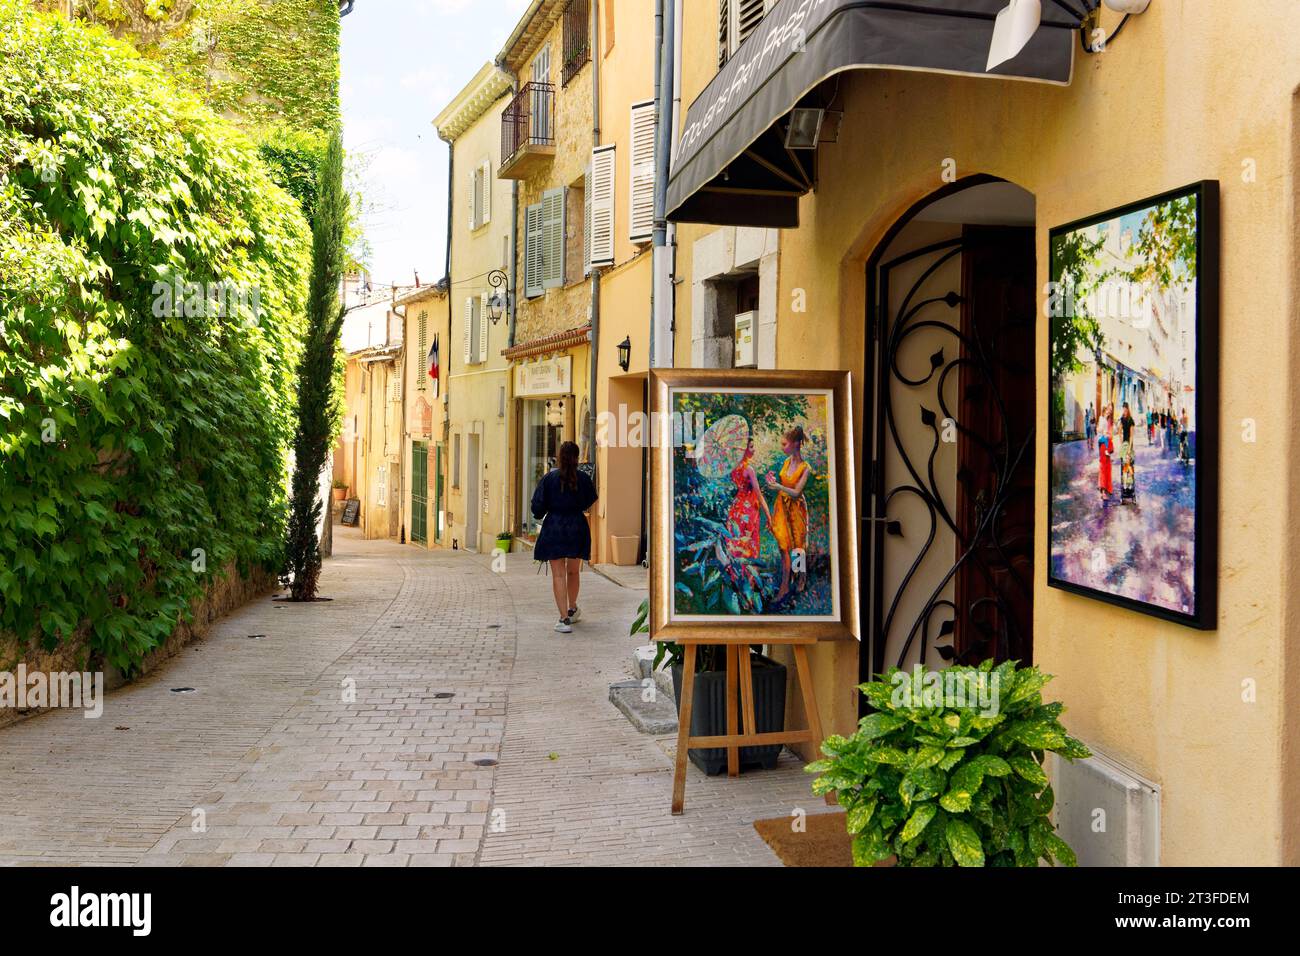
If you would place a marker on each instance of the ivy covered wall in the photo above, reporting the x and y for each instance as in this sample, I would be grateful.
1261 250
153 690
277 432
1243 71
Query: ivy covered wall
152 306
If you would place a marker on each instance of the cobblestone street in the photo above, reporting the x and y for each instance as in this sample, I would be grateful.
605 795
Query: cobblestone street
267 761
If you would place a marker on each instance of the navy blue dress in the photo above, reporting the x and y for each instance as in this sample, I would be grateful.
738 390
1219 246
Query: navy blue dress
565 532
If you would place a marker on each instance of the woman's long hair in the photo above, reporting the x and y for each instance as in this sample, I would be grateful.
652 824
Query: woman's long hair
569 465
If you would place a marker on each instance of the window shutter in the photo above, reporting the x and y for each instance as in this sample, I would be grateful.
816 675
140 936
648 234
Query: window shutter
553 238
641 217
533 251
486 173
483 324
724 31
473 200
423 377
586 223
747 15
469 330
602 206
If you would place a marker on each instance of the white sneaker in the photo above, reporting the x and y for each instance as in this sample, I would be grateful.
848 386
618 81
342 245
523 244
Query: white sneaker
563 627
575 615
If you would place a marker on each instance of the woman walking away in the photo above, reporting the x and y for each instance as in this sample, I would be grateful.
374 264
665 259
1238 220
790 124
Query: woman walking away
790 511
561 498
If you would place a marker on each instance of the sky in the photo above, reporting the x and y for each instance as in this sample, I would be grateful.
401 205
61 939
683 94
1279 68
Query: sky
403 61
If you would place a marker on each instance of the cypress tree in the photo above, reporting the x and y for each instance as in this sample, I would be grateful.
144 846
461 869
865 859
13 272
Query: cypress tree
316 379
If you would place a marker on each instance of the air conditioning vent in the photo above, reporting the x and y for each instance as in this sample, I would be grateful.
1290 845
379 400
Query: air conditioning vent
1108 814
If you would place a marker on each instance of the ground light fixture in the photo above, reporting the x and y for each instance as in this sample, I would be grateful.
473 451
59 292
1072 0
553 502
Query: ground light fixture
625 353
499 301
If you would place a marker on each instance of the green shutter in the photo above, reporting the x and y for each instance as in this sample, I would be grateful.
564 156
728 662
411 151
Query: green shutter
533 251
553 238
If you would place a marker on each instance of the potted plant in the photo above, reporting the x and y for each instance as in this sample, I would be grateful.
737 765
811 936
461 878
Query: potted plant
340 490
948 770
504 541
709 708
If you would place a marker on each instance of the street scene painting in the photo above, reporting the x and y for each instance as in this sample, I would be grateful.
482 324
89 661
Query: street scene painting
754 512
1125 393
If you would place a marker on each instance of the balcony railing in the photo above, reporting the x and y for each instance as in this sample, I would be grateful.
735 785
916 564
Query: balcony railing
529 120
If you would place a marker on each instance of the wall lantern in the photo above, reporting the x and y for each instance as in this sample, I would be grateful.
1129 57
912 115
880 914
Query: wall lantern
805 128
625 353
498 301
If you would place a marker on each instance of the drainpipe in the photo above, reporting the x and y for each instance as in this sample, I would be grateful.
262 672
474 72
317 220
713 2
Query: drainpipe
445 359
594 351
661 322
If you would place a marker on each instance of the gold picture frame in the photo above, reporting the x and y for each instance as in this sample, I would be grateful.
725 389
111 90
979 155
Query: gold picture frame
671 435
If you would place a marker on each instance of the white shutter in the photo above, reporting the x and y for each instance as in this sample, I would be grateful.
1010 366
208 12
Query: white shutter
533 251
487 191
586 222
473 200
553 238
469 330
483 324
601 188
641 192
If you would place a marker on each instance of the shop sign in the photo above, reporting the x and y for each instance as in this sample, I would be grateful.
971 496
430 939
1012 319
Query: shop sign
552 376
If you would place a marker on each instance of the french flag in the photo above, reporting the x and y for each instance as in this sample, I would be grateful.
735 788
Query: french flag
432 360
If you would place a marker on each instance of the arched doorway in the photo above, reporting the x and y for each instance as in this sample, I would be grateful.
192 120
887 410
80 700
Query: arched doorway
948 461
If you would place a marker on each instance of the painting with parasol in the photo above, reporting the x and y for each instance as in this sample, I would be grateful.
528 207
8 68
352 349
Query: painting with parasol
753 506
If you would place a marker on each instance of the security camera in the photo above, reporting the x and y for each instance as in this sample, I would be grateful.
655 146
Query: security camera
1128 6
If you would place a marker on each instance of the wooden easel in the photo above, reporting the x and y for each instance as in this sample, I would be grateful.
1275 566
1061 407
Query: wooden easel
740 702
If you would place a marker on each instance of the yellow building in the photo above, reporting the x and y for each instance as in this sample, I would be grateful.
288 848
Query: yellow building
478 376
585 218
546 135
920 178
423 314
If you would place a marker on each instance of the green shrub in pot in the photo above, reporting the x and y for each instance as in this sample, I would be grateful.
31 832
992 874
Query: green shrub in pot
948 770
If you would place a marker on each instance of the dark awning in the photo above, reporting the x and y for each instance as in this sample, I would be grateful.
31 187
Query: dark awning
732 167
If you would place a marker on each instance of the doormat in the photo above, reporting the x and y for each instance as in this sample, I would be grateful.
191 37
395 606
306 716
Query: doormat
825 841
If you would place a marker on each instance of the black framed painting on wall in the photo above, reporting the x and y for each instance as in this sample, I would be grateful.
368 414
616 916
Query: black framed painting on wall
1133 430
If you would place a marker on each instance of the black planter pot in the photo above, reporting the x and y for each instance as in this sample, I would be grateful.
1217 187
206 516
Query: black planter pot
709 714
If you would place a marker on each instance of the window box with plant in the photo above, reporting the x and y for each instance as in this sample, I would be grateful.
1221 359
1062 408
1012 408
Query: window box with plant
951 775
504 541
709 709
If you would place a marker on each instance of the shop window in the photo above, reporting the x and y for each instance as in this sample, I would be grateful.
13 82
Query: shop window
577 39
542 431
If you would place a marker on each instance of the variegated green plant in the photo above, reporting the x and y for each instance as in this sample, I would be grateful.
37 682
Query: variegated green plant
944 780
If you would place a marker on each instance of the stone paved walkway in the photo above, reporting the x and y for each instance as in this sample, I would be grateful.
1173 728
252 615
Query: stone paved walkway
351 734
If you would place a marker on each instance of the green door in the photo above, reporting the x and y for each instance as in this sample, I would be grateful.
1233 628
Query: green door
437 493
419 493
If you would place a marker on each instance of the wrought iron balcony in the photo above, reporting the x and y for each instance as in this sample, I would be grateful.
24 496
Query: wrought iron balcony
528 131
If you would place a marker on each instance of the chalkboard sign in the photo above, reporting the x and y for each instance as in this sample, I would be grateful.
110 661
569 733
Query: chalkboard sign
352 512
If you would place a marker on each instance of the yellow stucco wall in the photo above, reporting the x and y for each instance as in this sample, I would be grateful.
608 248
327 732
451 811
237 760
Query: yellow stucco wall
474 390
627 77
1190 91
